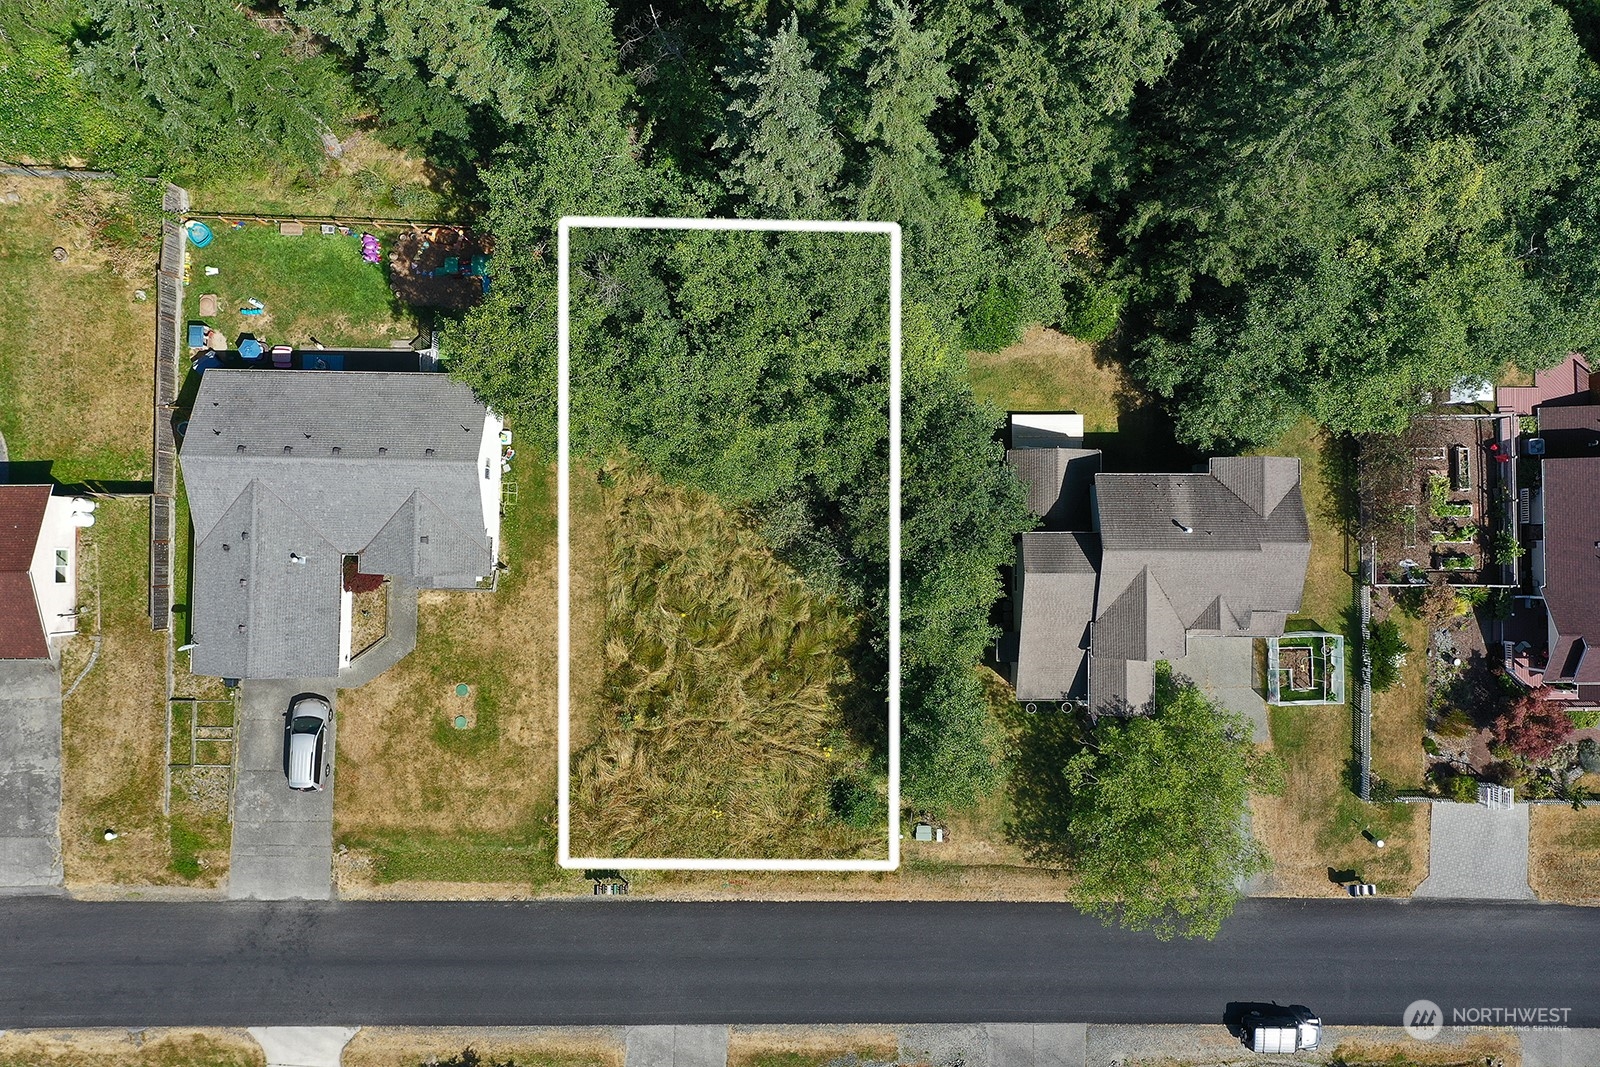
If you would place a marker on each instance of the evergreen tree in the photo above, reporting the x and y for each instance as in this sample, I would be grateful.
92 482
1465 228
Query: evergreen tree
784 157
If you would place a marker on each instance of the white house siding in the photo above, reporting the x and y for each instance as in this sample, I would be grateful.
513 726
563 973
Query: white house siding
58 600
489 483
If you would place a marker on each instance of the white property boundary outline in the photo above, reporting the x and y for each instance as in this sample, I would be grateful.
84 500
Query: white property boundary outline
564 855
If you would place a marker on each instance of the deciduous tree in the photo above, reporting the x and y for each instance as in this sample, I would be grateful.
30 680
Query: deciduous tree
1145 813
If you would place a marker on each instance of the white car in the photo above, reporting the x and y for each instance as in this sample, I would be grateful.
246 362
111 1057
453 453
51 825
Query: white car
305 734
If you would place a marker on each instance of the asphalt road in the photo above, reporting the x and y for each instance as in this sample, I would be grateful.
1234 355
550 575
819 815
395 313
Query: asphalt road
591 961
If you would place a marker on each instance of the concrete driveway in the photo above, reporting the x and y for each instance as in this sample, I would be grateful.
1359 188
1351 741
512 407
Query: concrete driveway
30 774
1477 853
282 839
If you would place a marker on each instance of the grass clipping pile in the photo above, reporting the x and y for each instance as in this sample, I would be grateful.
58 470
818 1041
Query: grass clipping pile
718 731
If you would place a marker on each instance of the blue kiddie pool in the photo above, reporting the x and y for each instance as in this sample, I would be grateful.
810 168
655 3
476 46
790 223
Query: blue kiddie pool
250 348
199 233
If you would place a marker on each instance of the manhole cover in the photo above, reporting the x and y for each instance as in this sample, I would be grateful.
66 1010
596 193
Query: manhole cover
461 722
463 689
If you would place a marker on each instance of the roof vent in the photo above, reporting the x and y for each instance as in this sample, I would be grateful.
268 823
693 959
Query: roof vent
224 548
308 435
424 538
216 433
427 451
241 627
1181 526
239 448
337 450
244 535
287 449
382 451
295 557
243 582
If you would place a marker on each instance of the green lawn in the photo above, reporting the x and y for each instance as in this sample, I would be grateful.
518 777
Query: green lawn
310 286
76 374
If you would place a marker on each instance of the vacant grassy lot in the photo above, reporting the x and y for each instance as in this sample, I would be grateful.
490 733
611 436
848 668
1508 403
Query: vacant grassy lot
722 729
1400 713
1564 853
153 1047
1314 830
392 1046
310 286
79 354
420 801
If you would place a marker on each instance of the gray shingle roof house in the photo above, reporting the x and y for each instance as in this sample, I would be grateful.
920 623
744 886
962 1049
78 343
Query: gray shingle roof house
289 472
1129 572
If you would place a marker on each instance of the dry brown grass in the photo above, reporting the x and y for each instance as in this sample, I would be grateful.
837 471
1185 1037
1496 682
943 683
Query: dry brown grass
1047 370
1475 1050
154 1047
1564 853
114 726
808 1046
369 618
1314 829
723 721
394 1046
79 356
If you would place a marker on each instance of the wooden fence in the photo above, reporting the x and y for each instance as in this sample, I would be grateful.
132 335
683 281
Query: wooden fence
164 456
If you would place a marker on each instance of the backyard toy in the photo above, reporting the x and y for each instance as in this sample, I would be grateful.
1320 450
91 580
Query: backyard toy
250 348
371 248
199 233
250 311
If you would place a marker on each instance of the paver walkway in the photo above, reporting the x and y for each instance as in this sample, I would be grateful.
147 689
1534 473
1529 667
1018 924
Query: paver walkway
1478 853
282 839
30 775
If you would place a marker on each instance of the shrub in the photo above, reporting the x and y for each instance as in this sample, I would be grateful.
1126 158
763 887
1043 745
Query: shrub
1454 723
1430 746
995 321
1589 755
1585 718
1505 548
1380 791
1534 726
855 801
1092 311
1462 788
1384 646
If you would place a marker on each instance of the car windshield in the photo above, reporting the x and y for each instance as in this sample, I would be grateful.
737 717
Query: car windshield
307 724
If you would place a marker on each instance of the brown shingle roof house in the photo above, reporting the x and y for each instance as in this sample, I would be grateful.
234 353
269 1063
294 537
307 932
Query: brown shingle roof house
1567 561
1162 558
